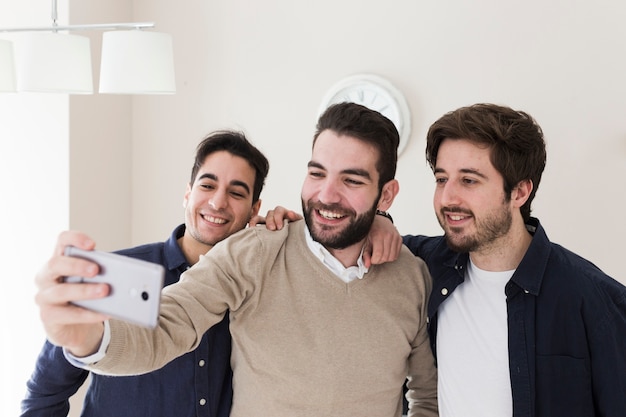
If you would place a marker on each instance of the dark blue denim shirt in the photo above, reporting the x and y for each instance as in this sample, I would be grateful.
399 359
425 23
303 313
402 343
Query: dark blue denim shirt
195 384
566 325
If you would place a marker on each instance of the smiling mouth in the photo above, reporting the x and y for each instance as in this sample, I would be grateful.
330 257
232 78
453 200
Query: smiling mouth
330 215
456 217
215 220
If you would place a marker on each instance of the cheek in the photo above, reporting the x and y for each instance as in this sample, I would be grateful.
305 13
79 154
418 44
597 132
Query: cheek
359 202
191 202
307 190
436 198
241 210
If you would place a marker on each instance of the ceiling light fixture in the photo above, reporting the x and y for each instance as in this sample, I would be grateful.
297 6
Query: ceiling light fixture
133 61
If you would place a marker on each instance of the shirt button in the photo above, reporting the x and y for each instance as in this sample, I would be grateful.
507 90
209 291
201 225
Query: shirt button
202 401
444 291
201 363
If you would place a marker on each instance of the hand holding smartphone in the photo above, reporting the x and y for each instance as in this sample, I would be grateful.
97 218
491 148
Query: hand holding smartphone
135 286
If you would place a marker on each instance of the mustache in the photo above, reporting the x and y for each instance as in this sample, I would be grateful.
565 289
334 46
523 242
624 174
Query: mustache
316 205
457 210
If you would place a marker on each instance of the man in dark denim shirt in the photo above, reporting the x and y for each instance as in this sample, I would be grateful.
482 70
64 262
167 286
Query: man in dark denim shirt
223 194
520 325
566 327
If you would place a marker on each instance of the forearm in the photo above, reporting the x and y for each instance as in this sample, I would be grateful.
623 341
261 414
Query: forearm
51 385
134 350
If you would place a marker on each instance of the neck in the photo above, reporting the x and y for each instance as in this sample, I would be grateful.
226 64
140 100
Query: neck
348 256
506 252
192 249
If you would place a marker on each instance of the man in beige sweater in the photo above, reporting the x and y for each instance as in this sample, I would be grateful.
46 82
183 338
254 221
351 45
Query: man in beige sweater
315 332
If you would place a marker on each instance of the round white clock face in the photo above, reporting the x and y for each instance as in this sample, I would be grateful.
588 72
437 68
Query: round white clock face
377 94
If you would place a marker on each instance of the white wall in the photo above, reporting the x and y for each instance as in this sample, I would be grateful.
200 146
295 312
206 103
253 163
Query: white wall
265 66
34 176
101 142
65 162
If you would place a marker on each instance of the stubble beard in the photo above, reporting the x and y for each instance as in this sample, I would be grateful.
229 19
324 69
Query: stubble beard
488 230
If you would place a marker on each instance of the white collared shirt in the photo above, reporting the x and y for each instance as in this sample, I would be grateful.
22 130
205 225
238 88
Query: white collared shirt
345 274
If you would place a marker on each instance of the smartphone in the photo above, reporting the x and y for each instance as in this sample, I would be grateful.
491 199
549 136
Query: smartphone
135 286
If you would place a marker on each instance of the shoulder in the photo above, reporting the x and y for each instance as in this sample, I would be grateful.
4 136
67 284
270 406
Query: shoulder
407 257
147 252
258 243
425 246
260 236
408 268
579 272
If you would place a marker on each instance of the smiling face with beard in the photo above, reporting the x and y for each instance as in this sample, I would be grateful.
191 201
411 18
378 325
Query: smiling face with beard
471 205
356 230
341 192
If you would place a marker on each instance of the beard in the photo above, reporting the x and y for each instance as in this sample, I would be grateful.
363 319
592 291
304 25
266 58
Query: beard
356 230
492 227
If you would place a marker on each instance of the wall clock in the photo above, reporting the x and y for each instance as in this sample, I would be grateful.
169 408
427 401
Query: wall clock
376 93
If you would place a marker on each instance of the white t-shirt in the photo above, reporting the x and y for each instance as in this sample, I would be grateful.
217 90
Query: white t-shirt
472 348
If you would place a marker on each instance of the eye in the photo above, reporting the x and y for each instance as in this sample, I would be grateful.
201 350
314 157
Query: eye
469 181
352 181
238 194
207 186
316 174
440 180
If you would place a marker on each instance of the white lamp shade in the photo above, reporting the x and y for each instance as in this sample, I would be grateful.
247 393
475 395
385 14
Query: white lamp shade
7 66
54 63
137 62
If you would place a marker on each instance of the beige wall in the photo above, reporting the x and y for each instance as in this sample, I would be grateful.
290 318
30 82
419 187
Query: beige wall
101 142
265 66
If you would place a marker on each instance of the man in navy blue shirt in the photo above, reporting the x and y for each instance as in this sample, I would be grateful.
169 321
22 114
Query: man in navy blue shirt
222 196
520 326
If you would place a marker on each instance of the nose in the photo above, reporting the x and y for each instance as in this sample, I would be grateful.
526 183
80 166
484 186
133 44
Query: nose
448 194
218 200
328 192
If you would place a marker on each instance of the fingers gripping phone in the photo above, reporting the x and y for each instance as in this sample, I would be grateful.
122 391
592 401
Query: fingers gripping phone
135 286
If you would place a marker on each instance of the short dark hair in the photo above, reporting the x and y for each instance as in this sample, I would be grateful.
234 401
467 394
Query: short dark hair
518 149
235 143
368 126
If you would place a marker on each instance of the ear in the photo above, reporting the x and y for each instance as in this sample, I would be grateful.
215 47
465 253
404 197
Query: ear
388 194
521 193
186 197
254 211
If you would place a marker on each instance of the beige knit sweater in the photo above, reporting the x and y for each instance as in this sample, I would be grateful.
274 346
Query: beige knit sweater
304 342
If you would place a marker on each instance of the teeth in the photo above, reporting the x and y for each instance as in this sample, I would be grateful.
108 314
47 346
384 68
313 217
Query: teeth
330 214
215 220
456 218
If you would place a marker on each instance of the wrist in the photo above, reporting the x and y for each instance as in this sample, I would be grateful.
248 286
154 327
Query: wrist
384 214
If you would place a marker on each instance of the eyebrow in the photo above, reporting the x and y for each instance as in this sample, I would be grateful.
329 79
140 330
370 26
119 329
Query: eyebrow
352 171
464 171
233 182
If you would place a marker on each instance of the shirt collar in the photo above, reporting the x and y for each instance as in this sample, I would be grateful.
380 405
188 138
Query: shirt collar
345 274
174 256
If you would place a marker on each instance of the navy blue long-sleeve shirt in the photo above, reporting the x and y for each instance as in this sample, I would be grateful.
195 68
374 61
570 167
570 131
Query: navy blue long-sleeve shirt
566 327
198 383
